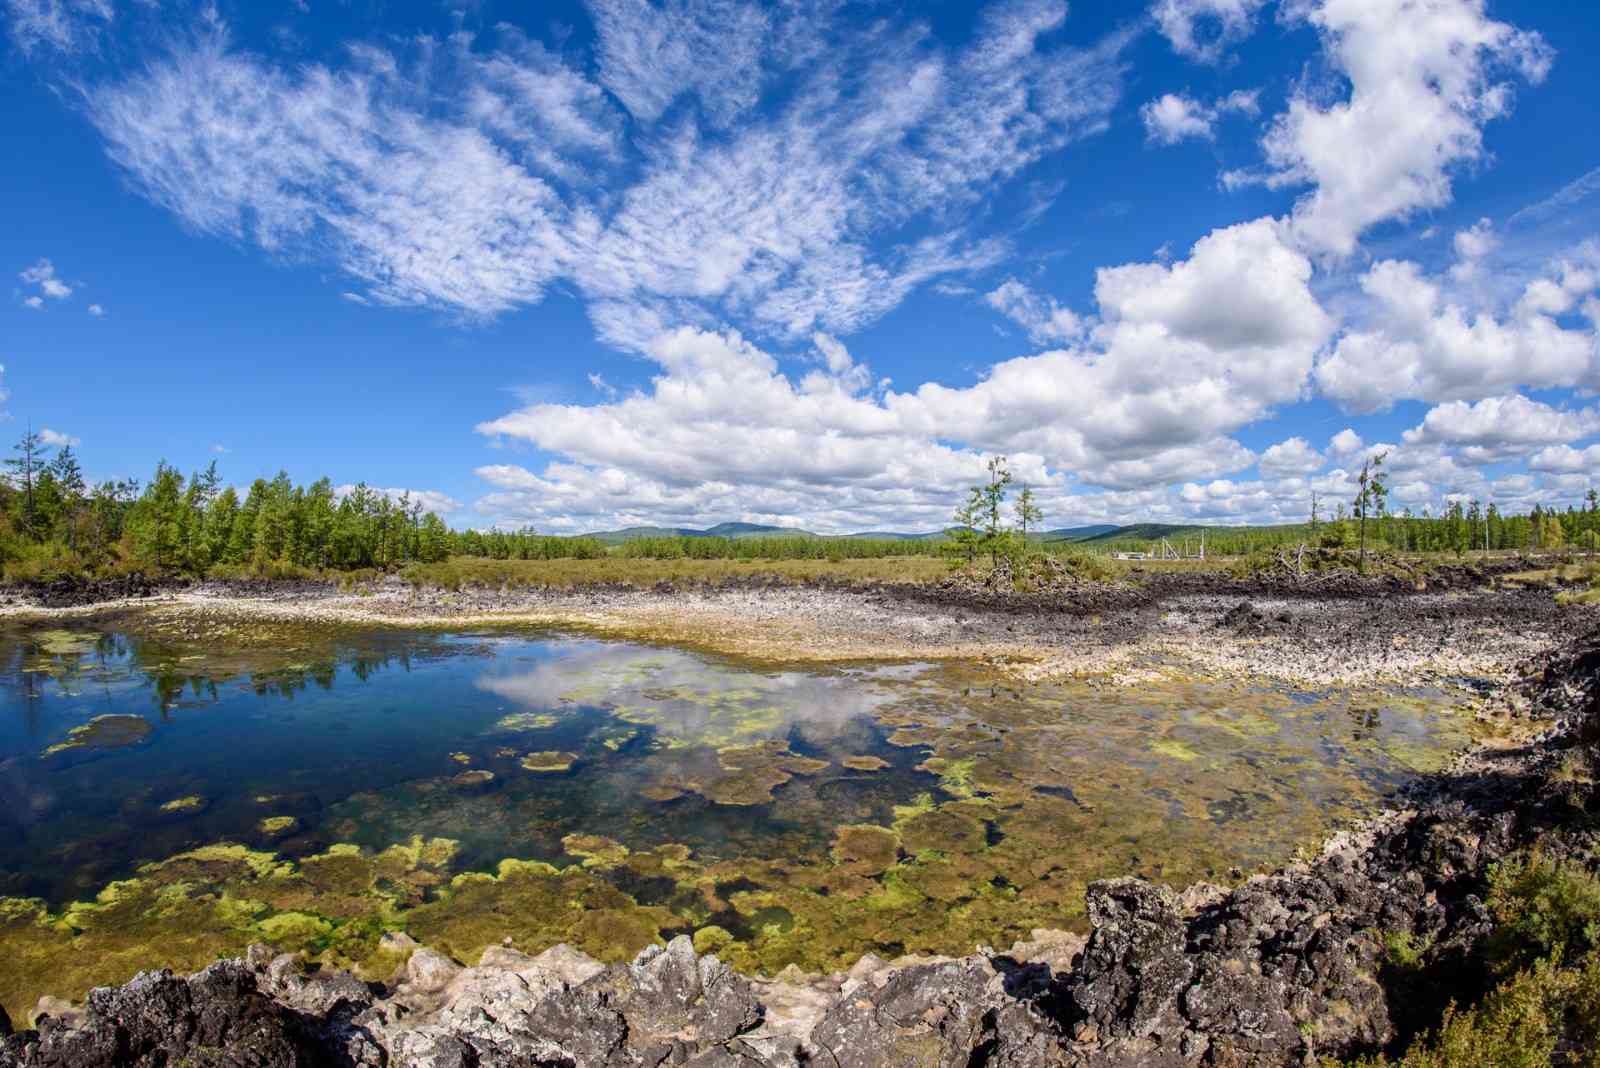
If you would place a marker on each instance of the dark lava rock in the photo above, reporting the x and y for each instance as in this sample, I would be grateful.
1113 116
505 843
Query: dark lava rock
938 1016
5 1022
214 1018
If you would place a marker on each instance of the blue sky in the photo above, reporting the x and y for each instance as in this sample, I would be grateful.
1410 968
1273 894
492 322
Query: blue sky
579 265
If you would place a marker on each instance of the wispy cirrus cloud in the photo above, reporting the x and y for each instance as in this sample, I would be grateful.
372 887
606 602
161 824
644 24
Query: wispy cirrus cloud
59 25
478 204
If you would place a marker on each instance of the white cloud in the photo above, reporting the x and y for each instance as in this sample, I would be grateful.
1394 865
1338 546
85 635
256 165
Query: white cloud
97 311
1204 29
1417 343
476 203
1422 78
1294 456
1564 459
1038 314
42 276
1181 356
36 303
1472 245
63 25
719 50
1500 428
219 449
1345 444
1173 117
431 500
55 439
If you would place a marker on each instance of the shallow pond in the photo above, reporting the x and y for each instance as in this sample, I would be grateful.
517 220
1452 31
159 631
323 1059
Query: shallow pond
165 796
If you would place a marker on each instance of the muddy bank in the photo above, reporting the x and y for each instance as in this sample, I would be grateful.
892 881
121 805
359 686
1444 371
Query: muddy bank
1276 971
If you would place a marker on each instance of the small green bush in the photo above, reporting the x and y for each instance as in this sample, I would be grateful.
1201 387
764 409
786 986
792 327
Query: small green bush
1542 911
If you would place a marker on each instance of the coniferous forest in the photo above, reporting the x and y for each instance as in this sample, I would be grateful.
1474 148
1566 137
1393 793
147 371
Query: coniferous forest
54 523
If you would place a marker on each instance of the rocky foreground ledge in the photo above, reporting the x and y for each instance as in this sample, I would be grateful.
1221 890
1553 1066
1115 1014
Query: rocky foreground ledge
1278 971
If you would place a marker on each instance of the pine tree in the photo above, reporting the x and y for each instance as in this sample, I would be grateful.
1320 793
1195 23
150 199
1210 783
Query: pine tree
30 454
995 537
1028 512
1372 499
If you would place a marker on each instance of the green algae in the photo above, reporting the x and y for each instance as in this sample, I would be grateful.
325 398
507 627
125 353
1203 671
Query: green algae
113 731
523 722
865 849
191 805
1022 795
473 780
548 761
276 826
1172 747
596 851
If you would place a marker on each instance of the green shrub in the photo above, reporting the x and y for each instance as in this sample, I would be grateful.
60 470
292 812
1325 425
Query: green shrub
1542 911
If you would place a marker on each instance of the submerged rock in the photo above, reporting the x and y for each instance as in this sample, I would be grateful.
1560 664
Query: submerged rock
104 732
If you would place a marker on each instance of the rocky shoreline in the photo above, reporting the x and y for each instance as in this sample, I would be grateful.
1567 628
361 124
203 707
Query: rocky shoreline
1338 629
1280 970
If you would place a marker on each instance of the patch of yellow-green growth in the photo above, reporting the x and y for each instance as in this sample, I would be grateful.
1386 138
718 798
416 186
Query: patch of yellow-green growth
273 826
461 758
955 776
185 806
64 642
864 763
597 851
549 761
711 940
615 740
662 791
473 780
865 849
536 906
941 830
1174 749
751 772
293 931
526 721
104 732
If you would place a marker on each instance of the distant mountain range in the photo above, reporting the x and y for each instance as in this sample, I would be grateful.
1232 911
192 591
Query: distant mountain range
1095 531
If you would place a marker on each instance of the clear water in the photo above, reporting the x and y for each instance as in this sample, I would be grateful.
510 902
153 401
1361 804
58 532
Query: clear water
713 792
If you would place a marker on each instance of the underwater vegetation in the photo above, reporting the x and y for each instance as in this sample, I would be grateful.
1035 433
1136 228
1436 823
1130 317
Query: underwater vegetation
613 796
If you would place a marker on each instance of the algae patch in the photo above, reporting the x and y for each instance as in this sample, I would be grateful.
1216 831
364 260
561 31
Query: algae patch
113 731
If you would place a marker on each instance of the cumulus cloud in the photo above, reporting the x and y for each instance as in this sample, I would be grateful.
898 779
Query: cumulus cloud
1038 314
1203 30
430 500
97 311
1180 355
1499 428
56 439
1174 117
1424 76
1295 456
43 278
1566 460
1419 343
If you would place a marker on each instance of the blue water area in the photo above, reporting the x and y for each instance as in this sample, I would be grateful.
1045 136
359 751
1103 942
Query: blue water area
129 742
366 737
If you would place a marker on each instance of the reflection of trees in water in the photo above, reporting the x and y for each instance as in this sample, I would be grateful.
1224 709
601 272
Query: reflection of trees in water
30 672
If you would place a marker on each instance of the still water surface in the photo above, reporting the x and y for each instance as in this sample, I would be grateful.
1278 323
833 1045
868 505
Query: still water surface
889 807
